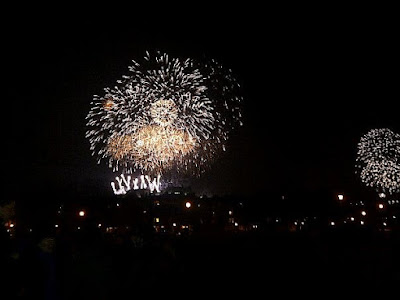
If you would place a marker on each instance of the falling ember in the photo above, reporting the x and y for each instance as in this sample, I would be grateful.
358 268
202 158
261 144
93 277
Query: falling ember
167 115
108 103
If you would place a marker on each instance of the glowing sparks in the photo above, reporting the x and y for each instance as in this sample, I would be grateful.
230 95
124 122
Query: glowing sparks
378 160
167 115
157 147
164 112
120 147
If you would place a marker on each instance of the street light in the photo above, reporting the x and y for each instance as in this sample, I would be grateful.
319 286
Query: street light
188 204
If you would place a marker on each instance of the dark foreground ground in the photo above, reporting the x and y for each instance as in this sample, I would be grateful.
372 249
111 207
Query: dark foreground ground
125 266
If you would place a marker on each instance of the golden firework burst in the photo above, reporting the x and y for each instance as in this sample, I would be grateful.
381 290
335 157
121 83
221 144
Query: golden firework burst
120 147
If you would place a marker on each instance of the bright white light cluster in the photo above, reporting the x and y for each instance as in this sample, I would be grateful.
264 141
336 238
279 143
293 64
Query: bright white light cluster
168 114
127 183
378 160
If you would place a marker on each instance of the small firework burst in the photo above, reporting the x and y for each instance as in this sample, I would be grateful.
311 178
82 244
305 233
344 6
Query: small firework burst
378 160
167 115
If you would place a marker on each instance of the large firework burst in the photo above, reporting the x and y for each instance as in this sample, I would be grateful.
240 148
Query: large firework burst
168 114
378 160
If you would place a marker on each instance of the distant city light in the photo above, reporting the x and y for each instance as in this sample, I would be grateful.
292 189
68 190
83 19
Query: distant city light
157 220
363 213
332 223
362 222
99 225
82 213
380 206
340 197
56 226
188 204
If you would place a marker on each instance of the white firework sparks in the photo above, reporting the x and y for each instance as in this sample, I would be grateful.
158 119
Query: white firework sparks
378 160
169 114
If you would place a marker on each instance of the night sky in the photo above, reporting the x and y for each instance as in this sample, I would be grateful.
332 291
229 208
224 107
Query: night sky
312 88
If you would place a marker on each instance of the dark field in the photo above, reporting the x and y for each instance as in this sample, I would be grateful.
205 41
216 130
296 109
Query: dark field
123 266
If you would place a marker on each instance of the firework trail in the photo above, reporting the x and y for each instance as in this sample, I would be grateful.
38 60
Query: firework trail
378 160
167 115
